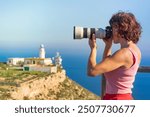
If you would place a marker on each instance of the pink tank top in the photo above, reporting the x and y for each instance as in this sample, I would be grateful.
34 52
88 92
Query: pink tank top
120 80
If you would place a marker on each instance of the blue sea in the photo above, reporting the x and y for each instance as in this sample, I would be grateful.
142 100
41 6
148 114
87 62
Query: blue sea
75 66
76 70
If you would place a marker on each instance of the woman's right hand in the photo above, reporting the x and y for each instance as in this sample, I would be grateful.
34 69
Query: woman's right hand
107 41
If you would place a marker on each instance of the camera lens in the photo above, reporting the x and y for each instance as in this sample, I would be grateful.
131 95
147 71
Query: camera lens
80 32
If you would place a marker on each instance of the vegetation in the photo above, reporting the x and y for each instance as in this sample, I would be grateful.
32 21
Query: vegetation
69 90
11 79
3 66
4 94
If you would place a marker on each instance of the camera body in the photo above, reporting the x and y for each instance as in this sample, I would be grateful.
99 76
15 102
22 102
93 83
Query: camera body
81 32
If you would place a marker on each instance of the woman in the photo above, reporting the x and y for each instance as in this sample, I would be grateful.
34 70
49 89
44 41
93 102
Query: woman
121 67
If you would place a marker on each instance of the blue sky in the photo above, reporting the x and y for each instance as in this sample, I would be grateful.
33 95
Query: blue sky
25 24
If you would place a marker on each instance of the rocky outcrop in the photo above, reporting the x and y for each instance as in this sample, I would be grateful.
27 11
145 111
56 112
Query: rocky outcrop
53 87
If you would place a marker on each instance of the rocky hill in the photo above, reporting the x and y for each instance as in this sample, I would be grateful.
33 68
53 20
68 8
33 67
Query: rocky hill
48 87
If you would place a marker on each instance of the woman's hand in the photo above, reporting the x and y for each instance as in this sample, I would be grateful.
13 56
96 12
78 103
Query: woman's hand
92 42
108 42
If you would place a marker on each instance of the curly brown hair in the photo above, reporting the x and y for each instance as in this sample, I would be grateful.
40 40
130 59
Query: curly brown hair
127 25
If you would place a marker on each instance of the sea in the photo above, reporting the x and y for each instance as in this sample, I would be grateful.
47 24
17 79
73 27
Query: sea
76 70
76 66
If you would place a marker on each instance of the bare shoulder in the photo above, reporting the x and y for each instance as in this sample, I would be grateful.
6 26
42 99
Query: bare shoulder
137 50
124 55
127 56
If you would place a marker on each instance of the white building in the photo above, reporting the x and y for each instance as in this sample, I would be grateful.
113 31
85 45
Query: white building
49 69
37 61
41 60
15 61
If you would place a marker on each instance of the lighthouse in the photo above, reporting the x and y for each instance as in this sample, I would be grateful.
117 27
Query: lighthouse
42 51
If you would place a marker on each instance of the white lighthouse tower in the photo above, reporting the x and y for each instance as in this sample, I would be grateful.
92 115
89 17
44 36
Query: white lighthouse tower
42 51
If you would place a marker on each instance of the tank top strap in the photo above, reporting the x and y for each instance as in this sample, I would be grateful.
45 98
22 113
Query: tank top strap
134 54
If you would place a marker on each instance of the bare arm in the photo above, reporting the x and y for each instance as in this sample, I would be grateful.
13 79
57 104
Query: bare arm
109 64
92 60
107 50
107 53
93 53
95 69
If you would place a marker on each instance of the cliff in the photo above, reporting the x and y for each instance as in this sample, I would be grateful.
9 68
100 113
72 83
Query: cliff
44 87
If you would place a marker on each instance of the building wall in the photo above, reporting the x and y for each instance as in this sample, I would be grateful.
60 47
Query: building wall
42 69
27 62
47 61
15 61
36 61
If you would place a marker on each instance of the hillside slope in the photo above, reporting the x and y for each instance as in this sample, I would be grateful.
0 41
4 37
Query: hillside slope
50 87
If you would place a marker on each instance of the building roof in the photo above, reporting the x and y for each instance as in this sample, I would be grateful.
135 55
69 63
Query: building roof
36 58
16 58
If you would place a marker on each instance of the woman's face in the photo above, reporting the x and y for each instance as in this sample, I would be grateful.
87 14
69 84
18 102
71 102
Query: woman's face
115 36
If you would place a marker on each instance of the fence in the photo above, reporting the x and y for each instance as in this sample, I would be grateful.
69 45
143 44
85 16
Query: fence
145 69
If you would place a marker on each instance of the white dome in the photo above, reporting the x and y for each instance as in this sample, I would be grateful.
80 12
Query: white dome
41 46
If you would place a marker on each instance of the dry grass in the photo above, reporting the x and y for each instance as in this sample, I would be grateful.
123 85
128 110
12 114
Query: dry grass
40 86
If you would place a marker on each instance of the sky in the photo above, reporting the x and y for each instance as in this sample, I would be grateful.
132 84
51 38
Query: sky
25 24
